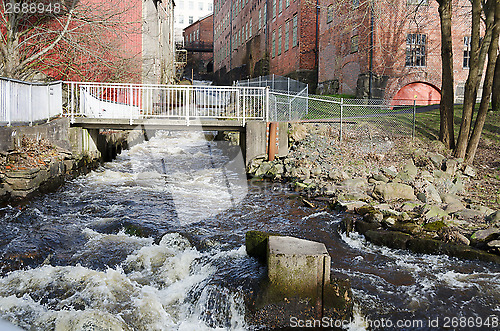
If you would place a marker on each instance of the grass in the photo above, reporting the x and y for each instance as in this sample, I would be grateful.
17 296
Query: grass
486 186
427 124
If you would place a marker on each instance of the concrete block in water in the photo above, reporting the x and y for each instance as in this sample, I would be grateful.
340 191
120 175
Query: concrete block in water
299 286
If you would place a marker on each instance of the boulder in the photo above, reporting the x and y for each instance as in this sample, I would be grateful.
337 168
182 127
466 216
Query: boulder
380 177
486 235
348 205
408 173
453 203
298 132
392 239
469 171
435 212
436 159
263 168
494 218
468 214
390 172
337 175
451 166
394 191
432 194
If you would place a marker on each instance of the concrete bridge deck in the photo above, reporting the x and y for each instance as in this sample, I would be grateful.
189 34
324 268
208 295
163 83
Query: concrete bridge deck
181 124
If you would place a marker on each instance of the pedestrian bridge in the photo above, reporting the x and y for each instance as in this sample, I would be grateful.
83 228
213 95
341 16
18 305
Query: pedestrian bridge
172 107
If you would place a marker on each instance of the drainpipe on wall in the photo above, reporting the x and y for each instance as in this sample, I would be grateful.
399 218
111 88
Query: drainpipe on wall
316 51
370 79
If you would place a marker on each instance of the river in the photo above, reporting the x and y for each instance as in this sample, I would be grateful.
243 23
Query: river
155 241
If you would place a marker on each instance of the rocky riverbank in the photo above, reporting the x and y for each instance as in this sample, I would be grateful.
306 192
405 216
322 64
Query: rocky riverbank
403 193
38 166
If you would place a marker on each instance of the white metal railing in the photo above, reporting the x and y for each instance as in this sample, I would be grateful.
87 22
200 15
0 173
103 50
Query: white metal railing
185 102
26 103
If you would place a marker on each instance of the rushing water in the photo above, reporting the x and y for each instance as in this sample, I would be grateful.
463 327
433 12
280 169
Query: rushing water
154 241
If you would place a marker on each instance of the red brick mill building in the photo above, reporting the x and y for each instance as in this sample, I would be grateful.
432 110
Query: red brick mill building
381 49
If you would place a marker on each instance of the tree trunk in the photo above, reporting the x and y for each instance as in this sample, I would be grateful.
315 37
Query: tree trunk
495 97
487 88
471 83
446 133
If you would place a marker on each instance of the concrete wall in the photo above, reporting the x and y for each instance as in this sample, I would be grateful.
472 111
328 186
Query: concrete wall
56 132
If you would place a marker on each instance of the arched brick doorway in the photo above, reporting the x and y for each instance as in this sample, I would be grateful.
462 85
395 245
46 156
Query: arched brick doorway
423 93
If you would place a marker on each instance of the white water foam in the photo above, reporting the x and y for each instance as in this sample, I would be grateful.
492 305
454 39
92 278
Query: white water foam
151 290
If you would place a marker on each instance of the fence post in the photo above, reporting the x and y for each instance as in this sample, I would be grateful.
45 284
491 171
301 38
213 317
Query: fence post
131 103
8 103
48 103
414 111
30 100
341 111
187 105
267 104
72 102
238 106
243 108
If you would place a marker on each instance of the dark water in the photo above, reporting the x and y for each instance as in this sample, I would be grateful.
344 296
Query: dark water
154 241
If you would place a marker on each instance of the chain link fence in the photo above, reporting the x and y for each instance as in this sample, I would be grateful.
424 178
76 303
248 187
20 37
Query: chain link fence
277 84
372 123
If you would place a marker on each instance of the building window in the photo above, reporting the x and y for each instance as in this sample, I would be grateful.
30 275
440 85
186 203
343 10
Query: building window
280 6
210 6
279 41
467 52
181 4
274 44
200 5
418 2
295 40
274 8
191 5
329 14
287 35
250 29
264 16
415 50
181 19
355 4
190 21
354 44
287 3
260 18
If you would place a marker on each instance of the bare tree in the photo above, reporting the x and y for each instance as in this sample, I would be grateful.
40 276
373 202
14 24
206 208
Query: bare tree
446 109
479 49
73 39
487 85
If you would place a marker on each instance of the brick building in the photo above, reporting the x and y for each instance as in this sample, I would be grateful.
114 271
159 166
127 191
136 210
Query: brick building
258 37
404 55
199 43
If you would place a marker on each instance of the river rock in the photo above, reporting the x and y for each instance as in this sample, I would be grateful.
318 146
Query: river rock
436 159
435 212
380 177
354 184
494 218
373 217
276 170
486 235
453 203
468 214
263 168
390 172
337 175
451 166
432 194
469 171
408 173
348 205
394 191
392 239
